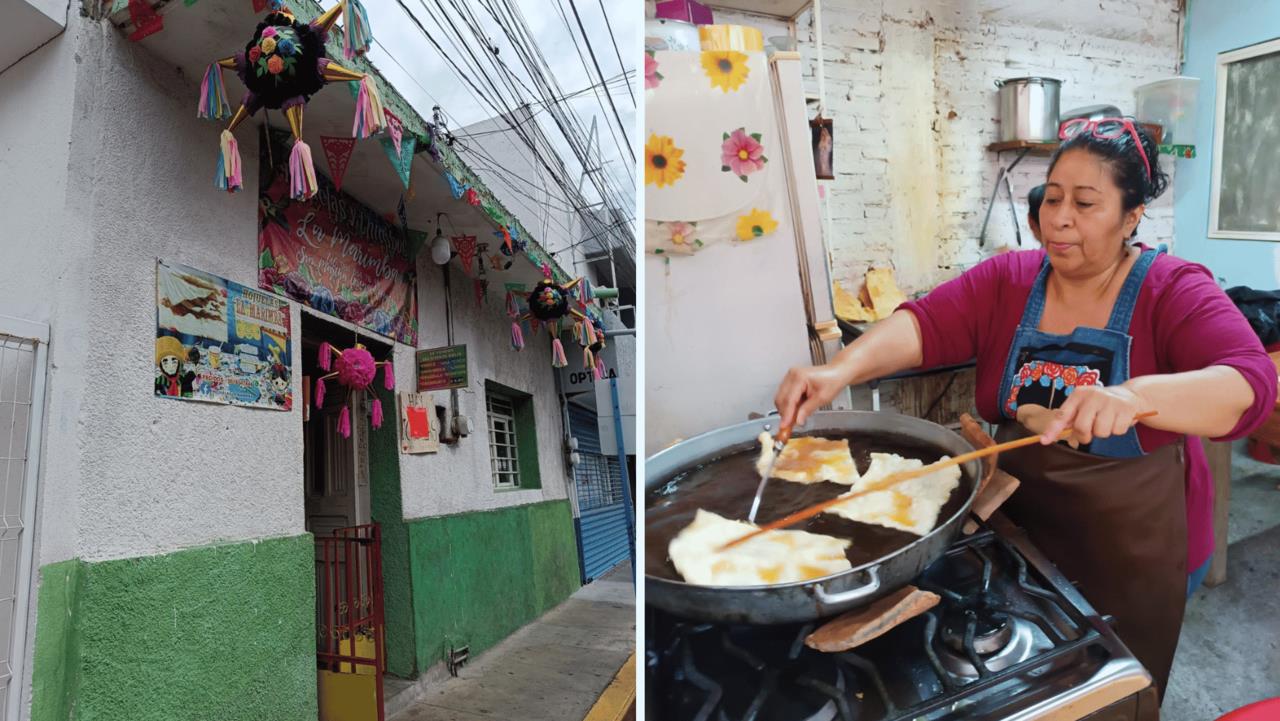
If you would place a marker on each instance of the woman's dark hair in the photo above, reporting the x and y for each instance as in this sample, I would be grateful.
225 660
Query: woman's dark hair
1127 169
1034 199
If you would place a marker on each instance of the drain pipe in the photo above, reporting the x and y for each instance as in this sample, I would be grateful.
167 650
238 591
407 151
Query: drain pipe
567 432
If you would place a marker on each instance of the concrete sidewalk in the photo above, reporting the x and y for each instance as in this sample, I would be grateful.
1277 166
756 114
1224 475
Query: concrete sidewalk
553 669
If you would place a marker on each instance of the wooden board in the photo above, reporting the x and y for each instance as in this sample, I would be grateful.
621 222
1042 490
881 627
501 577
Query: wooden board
1219 457
861 625
938 397
408 443
1035 148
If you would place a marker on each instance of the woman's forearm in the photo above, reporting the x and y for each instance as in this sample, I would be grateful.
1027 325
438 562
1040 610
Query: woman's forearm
1207 402
892 345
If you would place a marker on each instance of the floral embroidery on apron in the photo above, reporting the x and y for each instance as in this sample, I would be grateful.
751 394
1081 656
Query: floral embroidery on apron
1045 368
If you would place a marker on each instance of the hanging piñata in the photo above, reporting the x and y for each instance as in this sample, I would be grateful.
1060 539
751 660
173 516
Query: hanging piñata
549 303
356 369
282 66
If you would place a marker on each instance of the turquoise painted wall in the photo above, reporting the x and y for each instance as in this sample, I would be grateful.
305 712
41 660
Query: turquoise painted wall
218 633
479 576
1216 26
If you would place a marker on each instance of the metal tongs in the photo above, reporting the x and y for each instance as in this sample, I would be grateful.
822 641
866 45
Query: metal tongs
779 442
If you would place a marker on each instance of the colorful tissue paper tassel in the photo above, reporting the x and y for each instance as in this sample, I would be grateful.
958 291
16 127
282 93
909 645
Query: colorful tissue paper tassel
320 393
356 36
517 336
344 422
599 368
370 118
388 377
588 358
377 413
228 176
324 357
302 172
213 95
558 359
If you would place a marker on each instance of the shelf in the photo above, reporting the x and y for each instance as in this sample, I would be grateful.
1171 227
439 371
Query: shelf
1178 151
786 9
1033 147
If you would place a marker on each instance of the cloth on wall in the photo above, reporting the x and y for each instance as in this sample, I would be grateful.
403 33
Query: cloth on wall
711 129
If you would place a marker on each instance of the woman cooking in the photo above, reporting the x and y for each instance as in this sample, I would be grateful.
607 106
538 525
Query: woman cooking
1087 334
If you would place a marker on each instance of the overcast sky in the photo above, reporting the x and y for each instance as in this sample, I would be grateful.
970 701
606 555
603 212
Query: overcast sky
426 79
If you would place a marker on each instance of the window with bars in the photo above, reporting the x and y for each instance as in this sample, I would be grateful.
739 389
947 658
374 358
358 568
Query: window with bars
513 442
599 482
504 447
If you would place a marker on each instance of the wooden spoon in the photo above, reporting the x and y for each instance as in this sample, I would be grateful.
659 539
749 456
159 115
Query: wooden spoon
895 478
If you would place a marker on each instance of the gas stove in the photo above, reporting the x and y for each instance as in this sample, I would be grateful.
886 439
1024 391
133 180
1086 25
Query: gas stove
1011 639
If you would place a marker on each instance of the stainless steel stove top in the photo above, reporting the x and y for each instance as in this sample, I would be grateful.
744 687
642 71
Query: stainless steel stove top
1011 640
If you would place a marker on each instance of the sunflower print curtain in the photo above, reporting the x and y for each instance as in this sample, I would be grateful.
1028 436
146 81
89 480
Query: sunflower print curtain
711 135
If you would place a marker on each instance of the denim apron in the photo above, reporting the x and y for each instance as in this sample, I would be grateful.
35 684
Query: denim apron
1111 516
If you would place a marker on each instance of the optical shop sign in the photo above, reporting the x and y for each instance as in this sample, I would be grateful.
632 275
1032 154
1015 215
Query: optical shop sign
575 377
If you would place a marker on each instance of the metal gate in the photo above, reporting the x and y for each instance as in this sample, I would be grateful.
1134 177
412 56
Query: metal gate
602 522
23 354
350 627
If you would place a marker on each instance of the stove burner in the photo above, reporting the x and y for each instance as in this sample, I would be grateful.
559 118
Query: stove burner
1013 643
991 632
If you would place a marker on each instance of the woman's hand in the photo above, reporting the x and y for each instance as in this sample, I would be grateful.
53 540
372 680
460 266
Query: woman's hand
805 390
1095 412
1037 420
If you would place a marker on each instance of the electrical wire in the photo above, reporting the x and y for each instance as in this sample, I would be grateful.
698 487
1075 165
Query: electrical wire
493 97
573 5
621 65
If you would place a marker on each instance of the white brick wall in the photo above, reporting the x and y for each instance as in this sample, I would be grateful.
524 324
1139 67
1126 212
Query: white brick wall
910 84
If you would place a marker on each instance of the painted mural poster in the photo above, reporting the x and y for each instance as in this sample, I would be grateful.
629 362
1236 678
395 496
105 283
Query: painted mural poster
337 256
220 342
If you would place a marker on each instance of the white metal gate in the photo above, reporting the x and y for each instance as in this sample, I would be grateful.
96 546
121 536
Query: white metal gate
23 351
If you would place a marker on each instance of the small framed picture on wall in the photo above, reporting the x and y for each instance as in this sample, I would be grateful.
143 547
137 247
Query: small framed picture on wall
823 148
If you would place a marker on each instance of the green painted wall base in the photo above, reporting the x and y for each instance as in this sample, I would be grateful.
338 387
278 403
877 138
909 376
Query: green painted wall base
219 633
479 576
386 507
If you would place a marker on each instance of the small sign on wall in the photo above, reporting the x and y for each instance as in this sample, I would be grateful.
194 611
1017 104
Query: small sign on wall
442 369
419 429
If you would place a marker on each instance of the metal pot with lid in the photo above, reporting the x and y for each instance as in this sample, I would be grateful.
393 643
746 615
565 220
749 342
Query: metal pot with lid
1029 109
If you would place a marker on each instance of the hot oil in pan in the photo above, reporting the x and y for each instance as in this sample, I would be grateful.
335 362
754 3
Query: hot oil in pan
726 485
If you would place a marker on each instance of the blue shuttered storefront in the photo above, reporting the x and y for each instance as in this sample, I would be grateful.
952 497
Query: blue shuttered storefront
602 525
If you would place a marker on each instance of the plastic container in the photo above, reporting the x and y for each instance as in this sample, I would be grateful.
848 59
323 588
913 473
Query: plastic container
1172 104
743 38
688 11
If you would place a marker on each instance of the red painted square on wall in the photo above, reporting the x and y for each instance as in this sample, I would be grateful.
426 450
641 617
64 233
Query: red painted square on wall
419 422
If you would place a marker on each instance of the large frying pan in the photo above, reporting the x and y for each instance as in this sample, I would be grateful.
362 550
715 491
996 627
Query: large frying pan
714 471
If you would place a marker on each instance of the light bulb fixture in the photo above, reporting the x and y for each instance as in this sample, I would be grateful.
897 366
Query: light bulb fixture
441 250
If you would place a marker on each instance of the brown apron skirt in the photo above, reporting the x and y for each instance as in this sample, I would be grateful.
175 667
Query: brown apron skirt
1115 526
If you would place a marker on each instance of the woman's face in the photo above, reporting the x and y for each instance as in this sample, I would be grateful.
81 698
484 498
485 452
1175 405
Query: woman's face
1082 220
169 364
